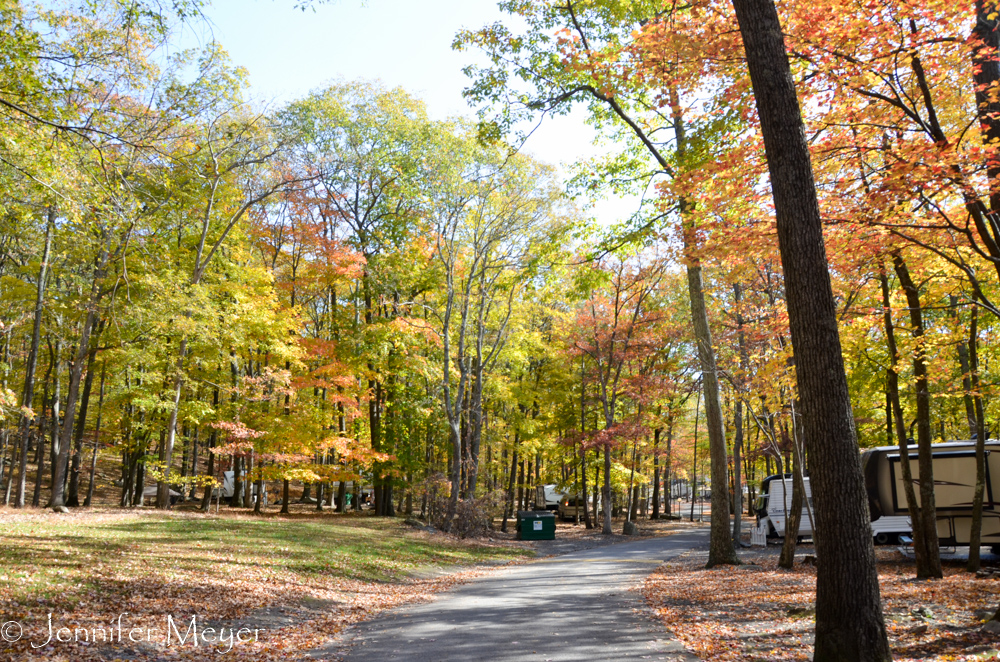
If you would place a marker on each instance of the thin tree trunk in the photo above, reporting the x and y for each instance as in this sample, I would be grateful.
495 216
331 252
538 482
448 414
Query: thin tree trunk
587 522
737 476
73 492
738 422
896 413
694 461
206 498
668 489
606 497
97 436
54 421
28 394
655 514
931 568
975 535
57 500
963 361
721 550
163 486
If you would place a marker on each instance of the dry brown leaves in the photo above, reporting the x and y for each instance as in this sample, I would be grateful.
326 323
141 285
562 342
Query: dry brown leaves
759 612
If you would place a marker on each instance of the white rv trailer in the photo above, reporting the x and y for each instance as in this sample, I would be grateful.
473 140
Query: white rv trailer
775 501
954 486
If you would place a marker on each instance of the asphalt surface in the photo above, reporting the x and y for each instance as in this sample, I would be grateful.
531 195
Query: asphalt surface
578 606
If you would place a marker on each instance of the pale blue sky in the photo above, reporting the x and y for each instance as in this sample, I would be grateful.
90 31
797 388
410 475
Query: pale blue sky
405 43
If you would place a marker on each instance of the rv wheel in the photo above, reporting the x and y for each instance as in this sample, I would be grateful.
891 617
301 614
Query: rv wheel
882 538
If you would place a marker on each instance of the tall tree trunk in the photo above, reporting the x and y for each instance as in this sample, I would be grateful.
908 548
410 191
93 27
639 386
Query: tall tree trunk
57 500
597 490
28 394
655 514
975 535
896 409
737 476
606 497
97 436
963 362
668 489
633 506
721 550
849 621
140 480
583 496
73 493
236 501
931 568
56 362
738 421
206 498
163 486
986 73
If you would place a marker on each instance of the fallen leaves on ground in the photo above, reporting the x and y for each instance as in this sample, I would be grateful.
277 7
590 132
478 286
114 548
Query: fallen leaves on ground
760 612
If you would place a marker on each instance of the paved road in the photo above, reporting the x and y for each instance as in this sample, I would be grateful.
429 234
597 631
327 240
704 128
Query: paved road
576 606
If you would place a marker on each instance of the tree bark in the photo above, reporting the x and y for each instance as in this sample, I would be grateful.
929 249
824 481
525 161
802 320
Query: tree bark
931 565
896 414
975 535
738 421
986 68
97 436
163 486
28 395
721 550
57 500
849 621
655 513
606 530
73 492
584 497
963 362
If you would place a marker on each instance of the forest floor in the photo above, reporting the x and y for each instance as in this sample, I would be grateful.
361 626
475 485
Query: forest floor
757 611
304 577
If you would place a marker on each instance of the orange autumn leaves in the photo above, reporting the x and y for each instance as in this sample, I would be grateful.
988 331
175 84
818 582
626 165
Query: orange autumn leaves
758 612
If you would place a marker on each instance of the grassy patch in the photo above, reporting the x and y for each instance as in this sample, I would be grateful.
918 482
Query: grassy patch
320 572
47 556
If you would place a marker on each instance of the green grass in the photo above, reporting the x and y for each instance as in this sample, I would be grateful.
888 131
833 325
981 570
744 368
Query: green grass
48 556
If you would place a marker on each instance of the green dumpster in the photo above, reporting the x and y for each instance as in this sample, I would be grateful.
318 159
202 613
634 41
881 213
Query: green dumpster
536 525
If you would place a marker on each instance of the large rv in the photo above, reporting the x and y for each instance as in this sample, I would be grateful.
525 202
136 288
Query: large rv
954 486
775 501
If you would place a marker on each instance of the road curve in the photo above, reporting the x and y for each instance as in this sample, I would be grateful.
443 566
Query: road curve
572 607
